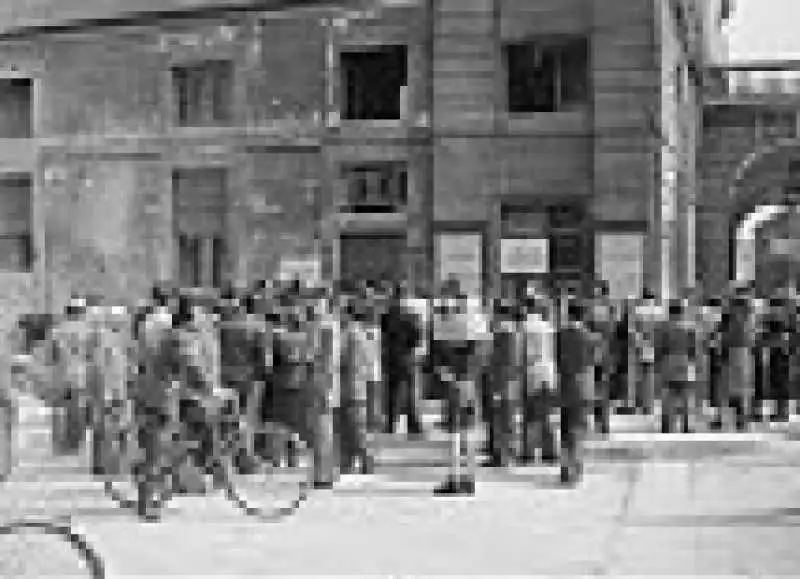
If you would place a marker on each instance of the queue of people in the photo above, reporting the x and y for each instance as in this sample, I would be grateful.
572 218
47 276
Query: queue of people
337 364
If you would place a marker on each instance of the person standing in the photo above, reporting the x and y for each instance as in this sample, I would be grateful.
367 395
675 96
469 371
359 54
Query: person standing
460 350
151 396
112 359
72 369
601 324
676 342
506 379
620 355
647 315
780 330
576 362
540 377
402 335
737 334
361 374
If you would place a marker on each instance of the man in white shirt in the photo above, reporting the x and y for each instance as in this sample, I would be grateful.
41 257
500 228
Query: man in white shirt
541 377
462 343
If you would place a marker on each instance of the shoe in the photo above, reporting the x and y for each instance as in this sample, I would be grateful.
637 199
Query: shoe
323 485
549 459
495 462
415 428
467 486
570 477
367 465
525 459
451 486
715 424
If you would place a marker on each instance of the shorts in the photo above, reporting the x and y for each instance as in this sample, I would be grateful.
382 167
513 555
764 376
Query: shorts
457 358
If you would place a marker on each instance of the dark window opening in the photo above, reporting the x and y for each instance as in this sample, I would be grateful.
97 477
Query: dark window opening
16 240
218 261
546 77
199 212
372 81
376 188
16 109
203 93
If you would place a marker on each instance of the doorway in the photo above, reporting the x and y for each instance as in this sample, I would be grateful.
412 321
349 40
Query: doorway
376 259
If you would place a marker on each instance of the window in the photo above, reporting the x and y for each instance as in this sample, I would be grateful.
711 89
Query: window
16 111
200 209
373 82
546 76
203 93
16 253
376 187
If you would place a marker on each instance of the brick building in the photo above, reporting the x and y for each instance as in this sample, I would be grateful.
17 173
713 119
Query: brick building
495 140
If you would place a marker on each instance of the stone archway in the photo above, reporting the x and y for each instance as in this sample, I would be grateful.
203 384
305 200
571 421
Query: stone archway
760 193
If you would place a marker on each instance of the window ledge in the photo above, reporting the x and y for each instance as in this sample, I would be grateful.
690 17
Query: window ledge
575 121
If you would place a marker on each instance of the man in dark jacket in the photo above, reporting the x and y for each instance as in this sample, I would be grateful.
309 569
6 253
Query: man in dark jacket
601 323
676 345
575 352
401 334
780 325
737 334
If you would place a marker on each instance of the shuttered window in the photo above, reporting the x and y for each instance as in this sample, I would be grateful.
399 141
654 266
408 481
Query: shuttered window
199 214
15 223
202 93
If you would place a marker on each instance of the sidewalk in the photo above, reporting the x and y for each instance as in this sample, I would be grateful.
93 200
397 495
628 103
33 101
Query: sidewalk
650 518
715 512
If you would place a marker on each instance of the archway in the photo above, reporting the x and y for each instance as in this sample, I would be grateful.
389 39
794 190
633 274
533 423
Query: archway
764 192
747 242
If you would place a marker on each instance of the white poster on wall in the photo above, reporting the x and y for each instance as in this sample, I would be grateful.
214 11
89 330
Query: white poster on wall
306 269
620 261
524 255
459 256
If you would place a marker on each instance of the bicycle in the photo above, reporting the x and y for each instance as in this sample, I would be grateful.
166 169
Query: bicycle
242 462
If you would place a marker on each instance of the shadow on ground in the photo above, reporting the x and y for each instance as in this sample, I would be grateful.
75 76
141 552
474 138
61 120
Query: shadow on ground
783 517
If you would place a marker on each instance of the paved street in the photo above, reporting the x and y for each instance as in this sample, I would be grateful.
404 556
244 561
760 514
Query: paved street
727 504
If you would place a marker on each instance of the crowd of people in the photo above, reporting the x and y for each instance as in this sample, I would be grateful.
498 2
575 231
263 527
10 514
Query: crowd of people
362 355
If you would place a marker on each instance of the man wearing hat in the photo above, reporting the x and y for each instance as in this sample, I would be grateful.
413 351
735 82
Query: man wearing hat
462 343
737 334
73 358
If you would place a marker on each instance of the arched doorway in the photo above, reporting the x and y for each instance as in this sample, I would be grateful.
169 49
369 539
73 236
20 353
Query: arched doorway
767 249
763 218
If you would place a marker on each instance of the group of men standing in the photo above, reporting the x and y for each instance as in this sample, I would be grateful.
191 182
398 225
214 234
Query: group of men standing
336 364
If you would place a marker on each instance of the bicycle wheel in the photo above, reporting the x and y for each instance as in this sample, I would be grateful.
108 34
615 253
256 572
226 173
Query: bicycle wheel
46 548
265 469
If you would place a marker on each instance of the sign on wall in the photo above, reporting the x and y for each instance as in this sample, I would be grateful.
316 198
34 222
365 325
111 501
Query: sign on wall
785 246
459 256
524 255
620 261
307 269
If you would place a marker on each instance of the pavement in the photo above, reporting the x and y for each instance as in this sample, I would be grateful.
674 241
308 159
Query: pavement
710 504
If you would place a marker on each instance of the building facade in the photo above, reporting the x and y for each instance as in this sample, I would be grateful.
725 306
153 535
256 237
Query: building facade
502 142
